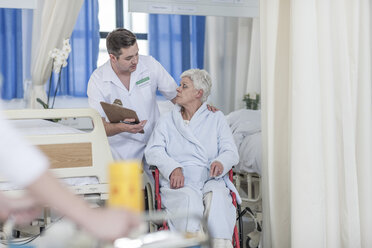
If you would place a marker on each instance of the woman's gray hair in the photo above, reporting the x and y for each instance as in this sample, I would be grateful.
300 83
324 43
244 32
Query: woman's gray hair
201 80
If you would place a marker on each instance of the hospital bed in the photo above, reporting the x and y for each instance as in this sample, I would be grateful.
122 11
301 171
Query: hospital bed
245 125
79 158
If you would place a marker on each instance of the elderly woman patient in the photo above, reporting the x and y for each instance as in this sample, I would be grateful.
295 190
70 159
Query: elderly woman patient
194 150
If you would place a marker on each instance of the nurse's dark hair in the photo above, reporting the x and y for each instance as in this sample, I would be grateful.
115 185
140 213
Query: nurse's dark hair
118 39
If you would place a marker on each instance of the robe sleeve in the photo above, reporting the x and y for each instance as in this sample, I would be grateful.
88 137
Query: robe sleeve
156 153
227 152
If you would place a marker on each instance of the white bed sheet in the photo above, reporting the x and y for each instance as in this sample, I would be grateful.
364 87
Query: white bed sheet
245 125
42 127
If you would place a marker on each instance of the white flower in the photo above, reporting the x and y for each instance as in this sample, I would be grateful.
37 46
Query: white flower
67 49
60 56
66 42
64 54
57 69
59 60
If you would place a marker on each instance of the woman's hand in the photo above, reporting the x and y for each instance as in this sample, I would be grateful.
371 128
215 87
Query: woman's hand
176 179
216 169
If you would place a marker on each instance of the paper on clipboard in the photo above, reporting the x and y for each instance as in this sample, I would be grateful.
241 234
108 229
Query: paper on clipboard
116 113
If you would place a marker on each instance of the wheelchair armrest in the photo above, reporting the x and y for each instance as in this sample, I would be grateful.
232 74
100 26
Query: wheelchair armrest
155 173
231 175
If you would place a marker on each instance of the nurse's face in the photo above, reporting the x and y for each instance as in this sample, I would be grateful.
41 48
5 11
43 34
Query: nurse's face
186 92
127 61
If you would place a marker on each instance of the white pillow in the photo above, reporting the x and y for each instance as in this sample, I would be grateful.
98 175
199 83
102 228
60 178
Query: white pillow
245 121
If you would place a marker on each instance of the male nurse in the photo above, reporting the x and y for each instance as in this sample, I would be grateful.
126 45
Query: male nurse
133 79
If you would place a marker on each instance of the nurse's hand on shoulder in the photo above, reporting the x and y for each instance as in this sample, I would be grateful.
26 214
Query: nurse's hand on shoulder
134 128
176 178
212 108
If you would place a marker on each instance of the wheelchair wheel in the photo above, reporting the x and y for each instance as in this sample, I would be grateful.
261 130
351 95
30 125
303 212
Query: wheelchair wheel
149 205
148 198
248 243
253 239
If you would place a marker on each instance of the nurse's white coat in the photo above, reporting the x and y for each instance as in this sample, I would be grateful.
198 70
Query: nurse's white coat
104 85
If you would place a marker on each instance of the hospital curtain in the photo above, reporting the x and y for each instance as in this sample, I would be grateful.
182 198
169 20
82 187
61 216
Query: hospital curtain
317 123
177 42
11 53
53 22
82 60
233 44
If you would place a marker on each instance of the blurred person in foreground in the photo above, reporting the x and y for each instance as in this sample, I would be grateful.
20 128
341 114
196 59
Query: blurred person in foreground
26 167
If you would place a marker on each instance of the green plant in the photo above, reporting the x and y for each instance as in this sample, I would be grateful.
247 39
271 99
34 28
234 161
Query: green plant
45 106
59 57
252 101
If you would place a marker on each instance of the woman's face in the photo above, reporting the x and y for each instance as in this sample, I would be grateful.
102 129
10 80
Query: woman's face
186 93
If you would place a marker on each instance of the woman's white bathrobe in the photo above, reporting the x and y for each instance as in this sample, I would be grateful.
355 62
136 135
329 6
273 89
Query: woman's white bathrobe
193 147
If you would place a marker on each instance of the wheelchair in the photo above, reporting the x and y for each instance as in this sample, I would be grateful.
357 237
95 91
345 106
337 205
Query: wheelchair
156 204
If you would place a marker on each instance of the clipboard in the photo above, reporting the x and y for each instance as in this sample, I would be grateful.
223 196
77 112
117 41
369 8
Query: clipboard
116 113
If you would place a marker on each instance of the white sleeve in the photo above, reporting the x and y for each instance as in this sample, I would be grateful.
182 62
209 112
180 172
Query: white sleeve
20 162
227 152
166 84
156 153
94 94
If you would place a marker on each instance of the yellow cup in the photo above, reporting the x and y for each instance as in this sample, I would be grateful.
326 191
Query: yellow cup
125 182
